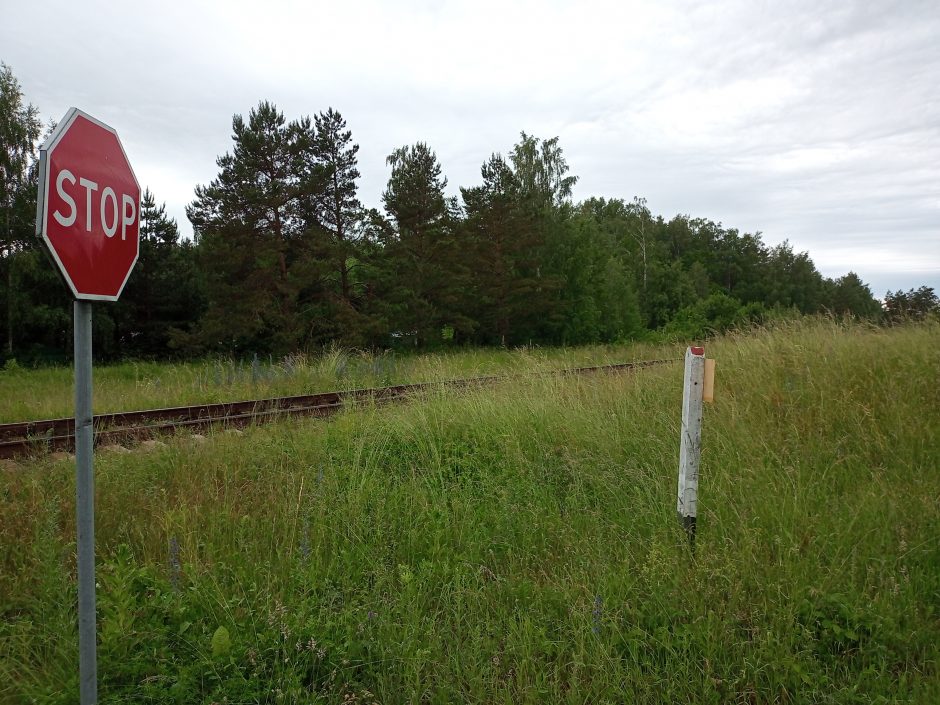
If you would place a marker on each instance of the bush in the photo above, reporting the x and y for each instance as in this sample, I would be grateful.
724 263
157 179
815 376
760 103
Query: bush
715 314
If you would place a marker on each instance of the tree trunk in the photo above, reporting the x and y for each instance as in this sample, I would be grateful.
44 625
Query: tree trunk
643 250
9 258
10 305
644 263
344 276
281 243
340 233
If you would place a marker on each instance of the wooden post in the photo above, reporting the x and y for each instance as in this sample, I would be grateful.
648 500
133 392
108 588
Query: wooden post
708 388
690 445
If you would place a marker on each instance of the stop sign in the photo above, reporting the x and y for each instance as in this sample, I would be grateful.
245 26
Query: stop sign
88 211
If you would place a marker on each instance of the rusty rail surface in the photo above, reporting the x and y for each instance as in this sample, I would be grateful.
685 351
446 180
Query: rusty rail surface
35 437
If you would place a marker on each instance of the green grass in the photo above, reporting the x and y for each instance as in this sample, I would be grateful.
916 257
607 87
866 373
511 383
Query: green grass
27 394
516 544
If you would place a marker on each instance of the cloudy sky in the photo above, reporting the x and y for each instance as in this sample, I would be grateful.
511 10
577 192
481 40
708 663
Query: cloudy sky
816 122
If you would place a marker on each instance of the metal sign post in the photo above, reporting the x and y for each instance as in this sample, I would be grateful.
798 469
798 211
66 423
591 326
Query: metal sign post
85 506
87 215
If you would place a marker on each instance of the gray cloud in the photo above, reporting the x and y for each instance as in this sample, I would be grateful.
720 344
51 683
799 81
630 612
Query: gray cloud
817 122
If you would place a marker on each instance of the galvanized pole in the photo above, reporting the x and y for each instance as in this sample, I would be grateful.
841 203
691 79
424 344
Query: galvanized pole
691 440
85 506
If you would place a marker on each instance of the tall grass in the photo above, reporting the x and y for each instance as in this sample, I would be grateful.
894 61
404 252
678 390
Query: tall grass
515 544
27 394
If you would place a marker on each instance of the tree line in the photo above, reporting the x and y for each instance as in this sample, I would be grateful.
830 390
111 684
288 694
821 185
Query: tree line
286 257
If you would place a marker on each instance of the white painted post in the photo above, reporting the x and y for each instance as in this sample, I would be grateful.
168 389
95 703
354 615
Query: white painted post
691 439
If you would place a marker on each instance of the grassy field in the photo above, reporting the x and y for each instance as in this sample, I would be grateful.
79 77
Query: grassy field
516 544
27 394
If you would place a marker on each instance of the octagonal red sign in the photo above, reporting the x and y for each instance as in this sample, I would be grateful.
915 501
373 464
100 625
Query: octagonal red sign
88 212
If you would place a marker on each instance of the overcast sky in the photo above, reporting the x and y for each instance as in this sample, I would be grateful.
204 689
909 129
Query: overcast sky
816 122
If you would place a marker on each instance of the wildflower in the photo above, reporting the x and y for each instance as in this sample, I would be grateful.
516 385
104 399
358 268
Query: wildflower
278 619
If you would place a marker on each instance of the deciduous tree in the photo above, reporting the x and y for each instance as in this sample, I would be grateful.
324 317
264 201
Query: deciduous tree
19 131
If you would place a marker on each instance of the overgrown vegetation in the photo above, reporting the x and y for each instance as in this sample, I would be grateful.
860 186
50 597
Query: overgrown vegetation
516 544
145 385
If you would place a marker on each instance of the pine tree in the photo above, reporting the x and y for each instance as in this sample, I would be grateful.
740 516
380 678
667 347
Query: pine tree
505 256
331 284
250 231
336 209
163 294
545 189
420 277
913 305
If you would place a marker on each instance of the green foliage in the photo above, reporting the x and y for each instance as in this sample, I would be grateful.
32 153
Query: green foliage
332 292
793 280
850 296
286 259
164 296
249 231
835 628
163 292
508 250
716 314
541 170
221 643
420 277
599 300
19 132
912 305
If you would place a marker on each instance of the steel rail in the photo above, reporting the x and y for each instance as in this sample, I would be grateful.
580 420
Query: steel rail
34 437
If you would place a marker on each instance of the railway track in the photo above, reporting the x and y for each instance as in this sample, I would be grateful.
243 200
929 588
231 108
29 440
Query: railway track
26 438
